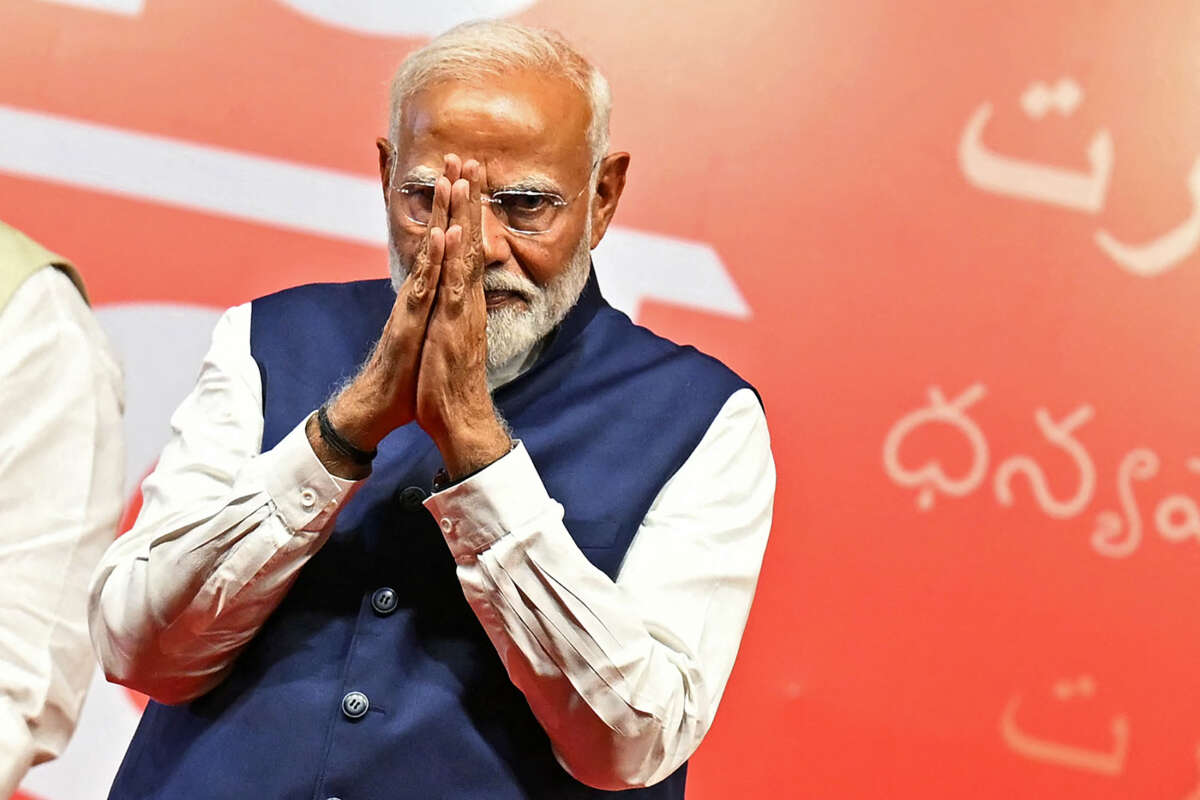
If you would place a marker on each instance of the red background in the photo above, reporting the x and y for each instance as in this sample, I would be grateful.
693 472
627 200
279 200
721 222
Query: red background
814 145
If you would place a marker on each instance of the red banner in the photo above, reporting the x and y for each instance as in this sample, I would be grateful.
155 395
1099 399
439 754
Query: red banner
954 245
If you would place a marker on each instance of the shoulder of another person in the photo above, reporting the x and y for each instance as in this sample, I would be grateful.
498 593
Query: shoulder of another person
21 258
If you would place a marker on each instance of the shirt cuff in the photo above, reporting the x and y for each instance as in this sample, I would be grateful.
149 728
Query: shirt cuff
304 492
502 497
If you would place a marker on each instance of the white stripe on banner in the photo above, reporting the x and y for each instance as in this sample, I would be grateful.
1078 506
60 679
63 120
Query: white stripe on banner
192 176
634 265
128 8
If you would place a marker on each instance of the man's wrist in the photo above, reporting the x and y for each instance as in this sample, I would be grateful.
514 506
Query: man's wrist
355 421
468 449
335 463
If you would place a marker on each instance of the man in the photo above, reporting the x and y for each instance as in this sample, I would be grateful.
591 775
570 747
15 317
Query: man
559 617
61 472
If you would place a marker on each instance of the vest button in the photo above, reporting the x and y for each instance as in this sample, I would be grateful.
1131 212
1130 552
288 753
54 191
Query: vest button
410 498
355 705
384 601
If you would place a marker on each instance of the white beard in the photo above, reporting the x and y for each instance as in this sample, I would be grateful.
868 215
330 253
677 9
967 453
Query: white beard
513 332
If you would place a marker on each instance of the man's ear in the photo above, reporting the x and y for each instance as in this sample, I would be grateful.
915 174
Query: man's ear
609 185
387 154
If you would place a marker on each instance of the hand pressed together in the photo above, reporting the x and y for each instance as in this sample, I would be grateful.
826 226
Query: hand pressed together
430 364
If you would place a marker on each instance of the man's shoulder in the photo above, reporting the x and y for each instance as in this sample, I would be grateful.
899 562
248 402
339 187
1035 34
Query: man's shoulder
330 321
21 258
325 294
353 310
652 349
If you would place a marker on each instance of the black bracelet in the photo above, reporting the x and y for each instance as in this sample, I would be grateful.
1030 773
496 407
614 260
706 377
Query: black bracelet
335 440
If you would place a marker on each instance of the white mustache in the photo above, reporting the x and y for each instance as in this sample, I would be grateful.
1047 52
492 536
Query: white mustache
499 280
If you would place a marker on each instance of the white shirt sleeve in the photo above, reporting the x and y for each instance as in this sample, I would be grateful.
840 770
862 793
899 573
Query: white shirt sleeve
624 676
222 533
61 473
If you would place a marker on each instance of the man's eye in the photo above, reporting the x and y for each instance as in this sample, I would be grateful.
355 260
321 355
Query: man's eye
418 202
523 203
419 193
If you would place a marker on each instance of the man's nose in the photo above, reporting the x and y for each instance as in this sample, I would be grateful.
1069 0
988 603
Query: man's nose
494 235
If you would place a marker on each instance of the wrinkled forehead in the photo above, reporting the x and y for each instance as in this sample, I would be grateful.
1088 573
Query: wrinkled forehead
516 124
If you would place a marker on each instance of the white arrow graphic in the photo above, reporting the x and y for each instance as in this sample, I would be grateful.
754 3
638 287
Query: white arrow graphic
403 19
633 265
126 8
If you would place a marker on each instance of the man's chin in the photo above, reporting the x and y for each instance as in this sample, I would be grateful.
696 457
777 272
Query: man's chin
511 324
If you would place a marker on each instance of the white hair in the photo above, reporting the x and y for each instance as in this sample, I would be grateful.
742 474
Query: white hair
476 50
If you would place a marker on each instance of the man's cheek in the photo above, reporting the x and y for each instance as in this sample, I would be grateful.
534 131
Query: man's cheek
408 248
542 263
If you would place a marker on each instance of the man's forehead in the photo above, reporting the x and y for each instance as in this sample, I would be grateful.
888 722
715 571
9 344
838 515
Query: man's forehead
520 120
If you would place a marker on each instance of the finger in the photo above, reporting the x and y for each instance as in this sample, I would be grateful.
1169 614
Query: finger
460 216
452 278
470 175
478 186
453 167
472 171
437 251
421 287
460 204
437 260
441 204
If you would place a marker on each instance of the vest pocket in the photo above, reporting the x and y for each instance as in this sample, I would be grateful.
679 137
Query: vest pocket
592 532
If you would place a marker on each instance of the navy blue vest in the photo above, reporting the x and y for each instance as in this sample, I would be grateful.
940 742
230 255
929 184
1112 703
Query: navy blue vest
608 413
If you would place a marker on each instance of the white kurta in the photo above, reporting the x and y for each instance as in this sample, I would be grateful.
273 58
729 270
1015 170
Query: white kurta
62 466
625 676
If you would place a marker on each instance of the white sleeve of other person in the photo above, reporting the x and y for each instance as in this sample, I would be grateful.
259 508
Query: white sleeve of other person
61 473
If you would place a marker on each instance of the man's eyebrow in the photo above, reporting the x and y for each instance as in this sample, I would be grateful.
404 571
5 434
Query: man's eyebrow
420 175
530 183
